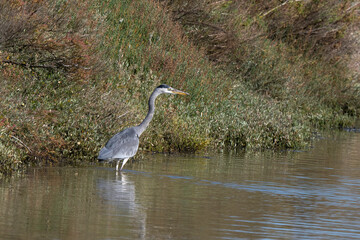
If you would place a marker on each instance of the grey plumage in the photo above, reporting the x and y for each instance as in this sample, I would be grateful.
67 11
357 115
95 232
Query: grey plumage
122 145
125 144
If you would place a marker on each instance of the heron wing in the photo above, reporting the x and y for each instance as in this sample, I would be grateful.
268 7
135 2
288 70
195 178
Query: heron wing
122 145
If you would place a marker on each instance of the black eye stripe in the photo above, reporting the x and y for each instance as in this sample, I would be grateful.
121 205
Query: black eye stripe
163 86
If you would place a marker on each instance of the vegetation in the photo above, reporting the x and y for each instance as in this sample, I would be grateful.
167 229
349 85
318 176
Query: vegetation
261 75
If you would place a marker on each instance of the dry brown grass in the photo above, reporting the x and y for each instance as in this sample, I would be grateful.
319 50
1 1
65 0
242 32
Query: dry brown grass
272 44
49 36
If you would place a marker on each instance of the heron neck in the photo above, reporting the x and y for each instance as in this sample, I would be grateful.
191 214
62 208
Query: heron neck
150 114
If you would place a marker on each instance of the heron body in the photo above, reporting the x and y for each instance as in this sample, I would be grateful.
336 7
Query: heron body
121 146
125 144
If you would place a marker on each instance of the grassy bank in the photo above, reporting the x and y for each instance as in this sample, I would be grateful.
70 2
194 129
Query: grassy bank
79 71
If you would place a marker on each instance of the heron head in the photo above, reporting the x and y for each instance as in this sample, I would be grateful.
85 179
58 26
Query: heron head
167 89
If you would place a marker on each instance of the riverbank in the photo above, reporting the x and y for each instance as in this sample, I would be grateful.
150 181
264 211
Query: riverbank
78 72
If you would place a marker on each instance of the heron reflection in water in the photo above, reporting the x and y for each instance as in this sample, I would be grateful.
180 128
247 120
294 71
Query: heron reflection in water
121 206
124 144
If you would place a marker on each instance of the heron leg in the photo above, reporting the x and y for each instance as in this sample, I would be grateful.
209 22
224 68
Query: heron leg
124 162
117 164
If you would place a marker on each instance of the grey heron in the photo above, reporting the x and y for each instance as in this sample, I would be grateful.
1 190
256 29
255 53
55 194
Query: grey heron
124 144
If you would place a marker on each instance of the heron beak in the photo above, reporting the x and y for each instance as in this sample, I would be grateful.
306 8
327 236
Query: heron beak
175 91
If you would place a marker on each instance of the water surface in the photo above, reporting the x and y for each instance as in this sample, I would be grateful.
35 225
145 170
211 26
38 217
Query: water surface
313 194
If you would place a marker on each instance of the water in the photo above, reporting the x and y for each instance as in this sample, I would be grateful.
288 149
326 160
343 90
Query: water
313 194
